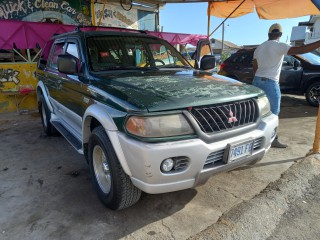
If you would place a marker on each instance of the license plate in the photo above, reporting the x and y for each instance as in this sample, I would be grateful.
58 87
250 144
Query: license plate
240 150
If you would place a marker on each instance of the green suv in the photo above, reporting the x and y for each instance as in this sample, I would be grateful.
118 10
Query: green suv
143 117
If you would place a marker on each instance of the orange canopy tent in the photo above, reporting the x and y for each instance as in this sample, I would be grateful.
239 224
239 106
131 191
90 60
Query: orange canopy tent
266 9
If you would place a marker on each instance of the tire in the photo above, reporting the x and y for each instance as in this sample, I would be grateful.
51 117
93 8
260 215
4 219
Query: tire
112 184
45 118
313 93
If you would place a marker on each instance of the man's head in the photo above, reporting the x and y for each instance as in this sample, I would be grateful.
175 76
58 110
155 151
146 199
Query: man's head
275 31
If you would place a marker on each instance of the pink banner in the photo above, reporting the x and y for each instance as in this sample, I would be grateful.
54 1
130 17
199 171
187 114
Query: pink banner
26 35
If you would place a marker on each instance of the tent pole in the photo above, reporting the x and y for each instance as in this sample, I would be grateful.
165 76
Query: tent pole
208 30
102 12
36 55
20 55
226 17
28 54
93 14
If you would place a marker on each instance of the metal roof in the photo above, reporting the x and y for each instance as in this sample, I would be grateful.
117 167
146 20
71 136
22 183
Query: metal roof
158 3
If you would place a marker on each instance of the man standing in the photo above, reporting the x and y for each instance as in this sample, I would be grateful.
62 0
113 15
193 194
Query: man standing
267 62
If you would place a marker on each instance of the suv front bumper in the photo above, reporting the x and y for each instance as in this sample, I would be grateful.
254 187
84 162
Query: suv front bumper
144 159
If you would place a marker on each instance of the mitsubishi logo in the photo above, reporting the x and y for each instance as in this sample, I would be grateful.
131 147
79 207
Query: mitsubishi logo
232 119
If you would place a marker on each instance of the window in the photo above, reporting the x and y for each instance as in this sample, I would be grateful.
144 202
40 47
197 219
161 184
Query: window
114 52
162 55
58 50
72 50
287 61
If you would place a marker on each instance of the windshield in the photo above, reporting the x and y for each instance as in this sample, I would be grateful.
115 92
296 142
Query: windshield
311 58
123 52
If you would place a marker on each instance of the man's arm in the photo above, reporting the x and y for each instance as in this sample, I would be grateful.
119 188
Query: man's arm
255 66
304 49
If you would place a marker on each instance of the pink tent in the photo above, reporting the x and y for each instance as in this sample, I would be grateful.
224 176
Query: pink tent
25 35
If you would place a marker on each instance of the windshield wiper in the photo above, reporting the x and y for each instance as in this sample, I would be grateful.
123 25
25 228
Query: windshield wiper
175 66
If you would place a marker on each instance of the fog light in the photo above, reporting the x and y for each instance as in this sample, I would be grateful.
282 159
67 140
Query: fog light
167 165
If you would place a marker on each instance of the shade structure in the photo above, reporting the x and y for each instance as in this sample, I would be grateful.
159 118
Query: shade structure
266 9
24 35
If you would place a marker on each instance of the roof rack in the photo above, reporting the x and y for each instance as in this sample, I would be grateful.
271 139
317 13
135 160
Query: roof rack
81 28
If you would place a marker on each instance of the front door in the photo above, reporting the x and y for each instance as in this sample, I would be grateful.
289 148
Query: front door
290 76
203 49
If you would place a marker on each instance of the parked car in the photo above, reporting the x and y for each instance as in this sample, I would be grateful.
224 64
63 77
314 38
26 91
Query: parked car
144 119
300 74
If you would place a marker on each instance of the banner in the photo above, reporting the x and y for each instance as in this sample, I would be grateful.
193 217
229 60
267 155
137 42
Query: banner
73 12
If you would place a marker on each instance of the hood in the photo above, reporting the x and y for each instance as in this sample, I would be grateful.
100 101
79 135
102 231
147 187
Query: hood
176 91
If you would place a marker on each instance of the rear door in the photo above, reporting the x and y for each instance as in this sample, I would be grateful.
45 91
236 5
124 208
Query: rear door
53 76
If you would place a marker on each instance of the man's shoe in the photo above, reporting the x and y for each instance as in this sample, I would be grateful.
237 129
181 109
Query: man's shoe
277 144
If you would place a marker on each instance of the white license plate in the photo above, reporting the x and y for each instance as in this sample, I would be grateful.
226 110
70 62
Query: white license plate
240 150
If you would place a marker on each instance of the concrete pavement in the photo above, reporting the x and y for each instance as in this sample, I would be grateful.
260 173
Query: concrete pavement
46 191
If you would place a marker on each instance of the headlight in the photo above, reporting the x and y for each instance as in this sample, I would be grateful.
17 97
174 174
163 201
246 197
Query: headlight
159 126
264 106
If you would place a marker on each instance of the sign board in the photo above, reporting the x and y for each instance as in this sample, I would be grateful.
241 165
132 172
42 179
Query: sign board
52 11
115 16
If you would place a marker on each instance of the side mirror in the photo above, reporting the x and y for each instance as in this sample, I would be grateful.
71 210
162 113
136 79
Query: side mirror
42 63
67 64
296 64
207 62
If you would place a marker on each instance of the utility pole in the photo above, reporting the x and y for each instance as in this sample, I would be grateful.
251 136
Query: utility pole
222 40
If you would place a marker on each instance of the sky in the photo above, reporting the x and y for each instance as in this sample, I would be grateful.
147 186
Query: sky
246 30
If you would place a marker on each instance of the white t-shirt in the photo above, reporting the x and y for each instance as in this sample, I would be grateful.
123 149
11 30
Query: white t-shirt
269 56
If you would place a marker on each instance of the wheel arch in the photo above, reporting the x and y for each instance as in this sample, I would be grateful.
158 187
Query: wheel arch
309 82
97 115
41 90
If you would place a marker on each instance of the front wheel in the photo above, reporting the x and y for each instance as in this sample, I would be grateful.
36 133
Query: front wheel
112 184
313 94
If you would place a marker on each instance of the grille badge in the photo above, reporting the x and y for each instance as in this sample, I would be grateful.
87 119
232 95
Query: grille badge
232 119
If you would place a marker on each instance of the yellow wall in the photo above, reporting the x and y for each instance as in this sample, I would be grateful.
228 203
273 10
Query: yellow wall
14 76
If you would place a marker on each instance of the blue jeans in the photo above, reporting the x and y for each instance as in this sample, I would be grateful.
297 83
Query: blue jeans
272 89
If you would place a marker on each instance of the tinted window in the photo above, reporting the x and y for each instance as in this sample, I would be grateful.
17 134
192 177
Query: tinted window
241 57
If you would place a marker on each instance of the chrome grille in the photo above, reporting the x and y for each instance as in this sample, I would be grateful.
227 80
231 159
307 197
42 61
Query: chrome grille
214 157
257 143
217 118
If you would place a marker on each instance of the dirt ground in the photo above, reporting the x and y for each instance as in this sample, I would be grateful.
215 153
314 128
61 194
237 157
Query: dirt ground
46 191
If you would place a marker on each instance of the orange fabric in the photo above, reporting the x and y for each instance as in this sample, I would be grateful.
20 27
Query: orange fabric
266 9
223 9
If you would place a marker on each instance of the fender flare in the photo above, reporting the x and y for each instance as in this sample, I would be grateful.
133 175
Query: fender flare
101 114
42 88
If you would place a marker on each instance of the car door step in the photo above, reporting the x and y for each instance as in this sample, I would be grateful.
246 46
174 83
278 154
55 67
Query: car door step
69 136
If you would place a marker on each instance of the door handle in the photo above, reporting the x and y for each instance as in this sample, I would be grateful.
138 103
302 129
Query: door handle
59 84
